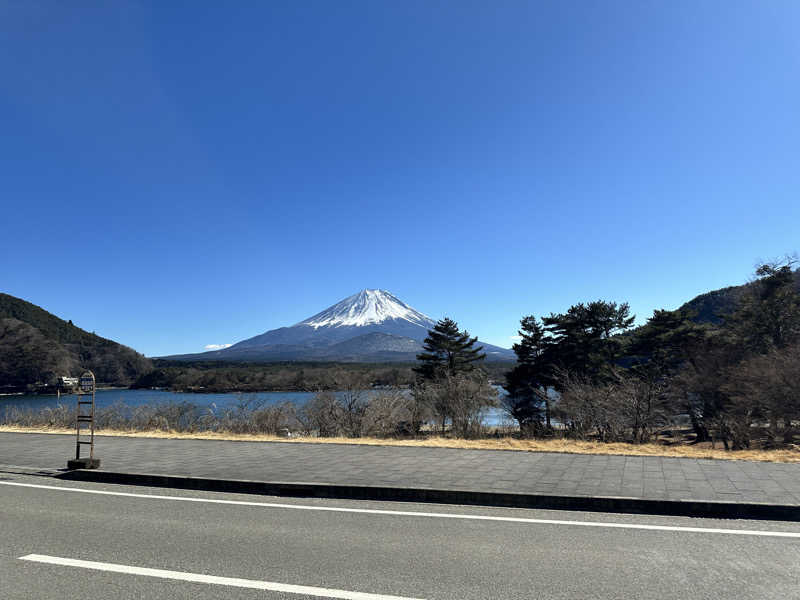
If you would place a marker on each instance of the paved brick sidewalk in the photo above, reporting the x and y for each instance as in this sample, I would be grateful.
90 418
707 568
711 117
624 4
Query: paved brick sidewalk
653 478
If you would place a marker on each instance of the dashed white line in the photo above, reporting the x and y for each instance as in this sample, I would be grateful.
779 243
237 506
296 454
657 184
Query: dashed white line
404 513
272 586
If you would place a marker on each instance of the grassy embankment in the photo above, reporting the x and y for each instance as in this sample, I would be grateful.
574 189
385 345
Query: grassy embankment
506 443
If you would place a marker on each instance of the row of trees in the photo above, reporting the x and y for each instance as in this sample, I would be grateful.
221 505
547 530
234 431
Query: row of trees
247 377
598 377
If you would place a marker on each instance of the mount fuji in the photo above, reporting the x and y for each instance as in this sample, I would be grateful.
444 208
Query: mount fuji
370 326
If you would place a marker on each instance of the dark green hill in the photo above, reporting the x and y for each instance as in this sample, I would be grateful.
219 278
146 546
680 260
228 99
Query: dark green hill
712 307
38 347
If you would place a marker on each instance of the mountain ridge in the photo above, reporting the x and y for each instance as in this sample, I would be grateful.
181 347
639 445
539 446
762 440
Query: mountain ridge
38 347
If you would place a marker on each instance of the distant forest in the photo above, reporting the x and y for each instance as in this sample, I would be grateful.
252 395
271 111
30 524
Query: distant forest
224 376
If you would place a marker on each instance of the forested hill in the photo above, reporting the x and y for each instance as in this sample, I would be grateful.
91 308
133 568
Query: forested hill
38 347
712 307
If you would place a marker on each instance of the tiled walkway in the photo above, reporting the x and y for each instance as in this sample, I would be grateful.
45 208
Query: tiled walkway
436 468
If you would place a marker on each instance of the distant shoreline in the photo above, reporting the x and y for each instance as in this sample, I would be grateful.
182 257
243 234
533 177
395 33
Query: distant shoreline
184 391
99 389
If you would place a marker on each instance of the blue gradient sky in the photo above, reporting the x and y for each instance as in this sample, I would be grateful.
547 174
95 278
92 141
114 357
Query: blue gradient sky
228 168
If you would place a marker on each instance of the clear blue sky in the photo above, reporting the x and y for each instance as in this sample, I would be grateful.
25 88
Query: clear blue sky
227 168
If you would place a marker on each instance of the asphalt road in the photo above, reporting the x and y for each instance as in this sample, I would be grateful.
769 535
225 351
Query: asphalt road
160 543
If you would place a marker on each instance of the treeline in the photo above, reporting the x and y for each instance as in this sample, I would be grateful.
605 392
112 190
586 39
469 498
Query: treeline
736 379
224 376
215 376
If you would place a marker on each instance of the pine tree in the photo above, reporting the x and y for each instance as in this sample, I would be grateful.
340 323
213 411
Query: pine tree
448 351
666 342
585 341
528 382
768 317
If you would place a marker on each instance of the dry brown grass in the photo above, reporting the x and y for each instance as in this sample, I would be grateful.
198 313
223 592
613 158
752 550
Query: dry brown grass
553 445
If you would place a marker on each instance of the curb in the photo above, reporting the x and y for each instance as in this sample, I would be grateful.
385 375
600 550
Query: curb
611 504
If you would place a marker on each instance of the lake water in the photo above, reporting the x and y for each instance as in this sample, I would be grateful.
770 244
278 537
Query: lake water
104 398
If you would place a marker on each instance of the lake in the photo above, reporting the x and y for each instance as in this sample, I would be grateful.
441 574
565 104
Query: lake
104 398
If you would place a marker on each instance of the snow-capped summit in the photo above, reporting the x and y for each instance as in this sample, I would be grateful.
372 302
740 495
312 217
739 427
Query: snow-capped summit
367 312
368 307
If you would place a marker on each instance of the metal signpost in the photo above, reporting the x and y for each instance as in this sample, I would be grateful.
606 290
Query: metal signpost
84 426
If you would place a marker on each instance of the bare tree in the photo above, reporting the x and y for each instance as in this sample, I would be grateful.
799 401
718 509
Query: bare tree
353 396
766 389
323 414
626 408
389 413
460 399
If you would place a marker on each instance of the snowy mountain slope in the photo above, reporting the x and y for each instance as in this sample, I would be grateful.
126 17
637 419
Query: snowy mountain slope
372 325
365 312
370 347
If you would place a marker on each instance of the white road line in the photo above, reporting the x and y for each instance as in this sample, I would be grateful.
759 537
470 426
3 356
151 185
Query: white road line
403 513
210 579
29 468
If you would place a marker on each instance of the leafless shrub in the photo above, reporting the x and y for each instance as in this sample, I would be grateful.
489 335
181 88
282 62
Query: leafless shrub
585 409
274 420
644 405
353 400
627 408
460 400
427 394
389 414
60 416
765 390
352 412
322 414
247 417
332 414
